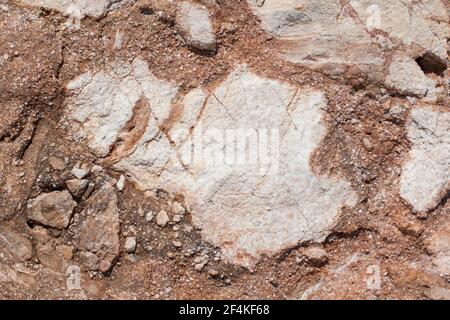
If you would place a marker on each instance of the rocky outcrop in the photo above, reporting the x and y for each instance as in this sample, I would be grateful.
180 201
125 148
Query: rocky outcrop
14 245
425 178
358 38
272 192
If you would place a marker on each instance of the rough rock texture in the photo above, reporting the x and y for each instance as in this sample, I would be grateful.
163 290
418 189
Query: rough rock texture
195 25
358 38
99 233
426 175
201 149
52 209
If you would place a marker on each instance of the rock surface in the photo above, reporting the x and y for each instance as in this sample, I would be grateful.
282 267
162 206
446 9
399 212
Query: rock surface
425 178
195 25
14 245
52 209
99 234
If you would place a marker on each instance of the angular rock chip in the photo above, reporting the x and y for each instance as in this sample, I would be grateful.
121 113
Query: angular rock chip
425 179
99 233
195 26
15 245
53 209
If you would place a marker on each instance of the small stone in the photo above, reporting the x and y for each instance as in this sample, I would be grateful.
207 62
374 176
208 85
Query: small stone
121 183
79 172
88 191
315 255
89 260
177 208
368 145
56 163
162 218
77 187
130 244
213 273
177 218
149 216
53 209
177 244
438 293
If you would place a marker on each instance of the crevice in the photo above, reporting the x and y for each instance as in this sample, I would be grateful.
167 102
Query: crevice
431 63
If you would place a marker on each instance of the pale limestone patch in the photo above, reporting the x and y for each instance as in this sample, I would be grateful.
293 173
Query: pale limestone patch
247 209
241 209
426 175
82 8
101 103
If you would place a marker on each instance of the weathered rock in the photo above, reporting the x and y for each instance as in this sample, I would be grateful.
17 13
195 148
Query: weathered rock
406 77
14 245
50 252
99 233
195 25
77 8
77 187
130 244
121 183
438 245
315 255
426 175
56 163
438 293
104 102
162 218
351 39
52 209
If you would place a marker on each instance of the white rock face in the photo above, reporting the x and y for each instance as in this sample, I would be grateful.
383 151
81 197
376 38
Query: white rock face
80 8
103 102
195 25
352 38
426 175
407 78
240 156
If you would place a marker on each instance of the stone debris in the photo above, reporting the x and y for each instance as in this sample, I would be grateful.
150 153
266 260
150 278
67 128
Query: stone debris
130 244
121 183
194 23
100 230
162 218
425 179
77 187
14 245
80 173
149 216
56 163
52 209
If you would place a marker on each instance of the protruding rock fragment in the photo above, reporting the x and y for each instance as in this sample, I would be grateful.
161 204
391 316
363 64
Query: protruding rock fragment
130 244
100 231
77 187
53 209
195 26
162 218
